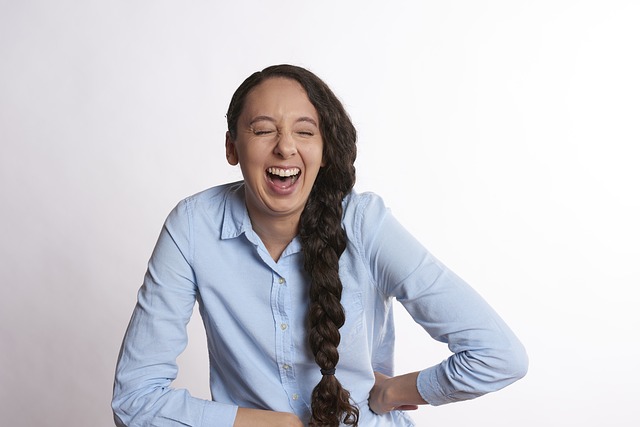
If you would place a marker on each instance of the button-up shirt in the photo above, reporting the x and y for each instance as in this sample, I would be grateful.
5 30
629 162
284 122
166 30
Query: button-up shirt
254 311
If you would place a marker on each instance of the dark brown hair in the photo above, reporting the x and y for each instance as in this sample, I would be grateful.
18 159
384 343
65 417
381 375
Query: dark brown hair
322 235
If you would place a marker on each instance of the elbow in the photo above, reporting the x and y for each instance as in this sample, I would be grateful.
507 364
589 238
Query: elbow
519 361
512 364
521 365
117 420
497 367
121 415
129 407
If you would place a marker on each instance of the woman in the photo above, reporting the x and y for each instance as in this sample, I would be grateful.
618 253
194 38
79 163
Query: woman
295 273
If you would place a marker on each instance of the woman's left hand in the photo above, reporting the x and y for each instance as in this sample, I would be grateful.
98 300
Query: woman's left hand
394 393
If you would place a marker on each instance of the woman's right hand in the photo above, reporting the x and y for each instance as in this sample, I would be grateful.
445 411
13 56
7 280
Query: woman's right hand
248 417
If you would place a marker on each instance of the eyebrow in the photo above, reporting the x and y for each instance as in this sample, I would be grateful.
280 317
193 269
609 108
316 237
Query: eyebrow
272 120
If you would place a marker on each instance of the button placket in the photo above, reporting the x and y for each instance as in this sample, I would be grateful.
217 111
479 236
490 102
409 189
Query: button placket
284 340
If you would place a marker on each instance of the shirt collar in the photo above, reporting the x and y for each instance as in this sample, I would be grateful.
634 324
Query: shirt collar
236 219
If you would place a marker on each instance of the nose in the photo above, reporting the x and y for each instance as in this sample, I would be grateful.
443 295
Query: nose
286 146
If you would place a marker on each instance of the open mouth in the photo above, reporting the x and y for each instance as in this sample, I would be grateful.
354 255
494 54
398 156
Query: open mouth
283 177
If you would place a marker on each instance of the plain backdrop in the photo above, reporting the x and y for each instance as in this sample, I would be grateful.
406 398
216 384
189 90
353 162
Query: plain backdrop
503 134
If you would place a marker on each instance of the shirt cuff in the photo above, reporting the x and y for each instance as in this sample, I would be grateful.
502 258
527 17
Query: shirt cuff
430 388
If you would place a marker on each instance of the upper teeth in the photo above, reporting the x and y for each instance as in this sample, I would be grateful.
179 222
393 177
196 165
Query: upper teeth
283 172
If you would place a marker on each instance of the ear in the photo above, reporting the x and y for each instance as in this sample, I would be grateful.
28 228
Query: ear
230 146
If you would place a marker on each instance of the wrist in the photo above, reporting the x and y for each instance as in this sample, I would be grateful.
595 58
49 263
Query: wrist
402 390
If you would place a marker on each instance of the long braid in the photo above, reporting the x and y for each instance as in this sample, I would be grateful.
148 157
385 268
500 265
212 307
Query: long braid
324 241
323 238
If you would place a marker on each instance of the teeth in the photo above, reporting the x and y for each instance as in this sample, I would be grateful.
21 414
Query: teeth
283 172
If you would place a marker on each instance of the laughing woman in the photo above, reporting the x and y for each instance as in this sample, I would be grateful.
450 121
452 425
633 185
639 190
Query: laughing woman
295 274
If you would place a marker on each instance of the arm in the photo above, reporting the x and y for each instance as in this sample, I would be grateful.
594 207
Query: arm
155 337
486 357
247 417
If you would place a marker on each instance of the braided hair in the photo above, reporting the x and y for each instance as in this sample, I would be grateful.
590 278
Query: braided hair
323 238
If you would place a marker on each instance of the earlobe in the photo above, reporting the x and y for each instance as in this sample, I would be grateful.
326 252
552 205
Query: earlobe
230 146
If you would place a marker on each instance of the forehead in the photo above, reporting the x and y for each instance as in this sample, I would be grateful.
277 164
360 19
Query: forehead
278 96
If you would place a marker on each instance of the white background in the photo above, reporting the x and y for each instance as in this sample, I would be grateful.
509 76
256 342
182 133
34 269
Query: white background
503 134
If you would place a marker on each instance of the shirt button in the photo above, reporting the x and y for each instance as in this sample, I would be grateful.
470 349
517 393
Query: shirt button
286 367
281 280
295 396
283 326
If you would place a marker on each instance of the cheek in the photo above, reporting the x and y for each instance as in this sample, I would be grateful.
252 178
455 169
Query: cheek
248 163
314 155
250 157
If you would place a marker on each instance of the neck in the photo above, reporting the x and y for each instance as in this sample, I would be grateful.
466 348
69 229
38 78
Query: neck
276 233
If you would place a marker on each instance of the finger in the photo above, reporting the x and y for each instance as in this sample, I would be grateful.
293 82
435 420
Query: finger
406 408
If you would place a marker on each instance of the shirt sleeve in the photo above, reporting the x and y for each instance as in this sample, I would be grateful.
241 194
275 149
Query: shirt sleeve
155 337
487 355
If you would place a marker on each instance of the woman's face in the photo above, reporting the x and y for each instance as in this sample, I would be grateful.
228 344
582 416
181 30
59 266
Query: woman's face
279 148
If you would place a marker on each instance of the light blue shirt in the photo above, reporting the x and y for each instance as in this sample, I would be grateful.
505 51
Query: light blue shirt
254 312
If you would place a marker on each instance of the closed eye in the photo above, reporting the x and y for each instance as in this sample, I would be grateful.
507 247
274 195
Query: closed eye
262 132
